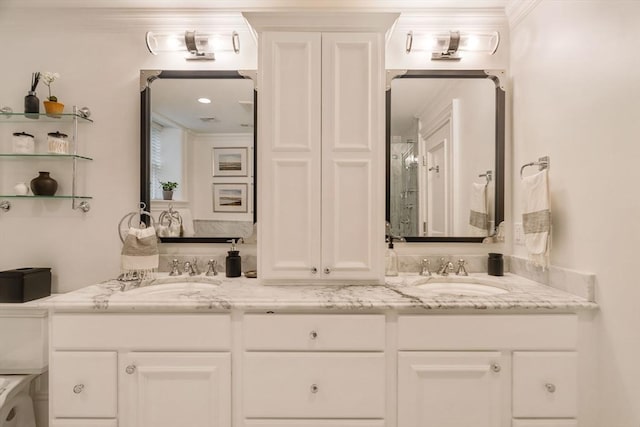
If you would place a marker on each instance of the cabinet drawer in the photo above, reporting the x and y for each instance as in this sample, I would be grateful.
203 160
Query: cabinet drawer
84 423
182 332
487 332
85 384
544 384
314 385
314 332
314 423
545 423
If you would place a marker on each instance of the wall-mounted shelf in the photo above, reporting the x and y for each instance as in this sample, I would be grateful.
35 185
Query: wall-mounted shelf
79 115
43 117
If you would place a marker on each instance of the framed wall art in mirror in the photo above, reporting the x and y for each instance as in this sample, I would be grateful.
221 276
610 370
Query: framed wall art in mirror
197 128
445 154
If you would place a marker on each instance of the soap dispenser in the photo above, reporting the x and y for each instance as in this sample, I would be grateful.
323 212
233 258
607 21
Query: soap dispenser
233 266
391 260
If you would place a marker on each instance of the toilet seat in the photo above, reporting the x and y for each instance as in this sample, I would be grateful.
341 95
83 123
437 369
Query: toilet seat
16 406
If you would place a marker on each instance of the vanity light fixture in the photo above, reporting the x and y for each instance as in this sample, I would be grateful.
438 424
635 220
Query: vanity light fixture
204 100
199 46
448 45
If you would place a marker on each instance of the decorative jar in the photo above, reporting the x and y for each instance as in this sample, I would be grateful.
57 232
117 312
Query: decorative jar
58 143
23 143
44 185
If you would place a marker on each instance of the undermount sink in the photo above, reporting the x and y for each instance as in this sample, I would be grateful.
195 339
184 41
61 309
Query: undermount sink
175 286
460 286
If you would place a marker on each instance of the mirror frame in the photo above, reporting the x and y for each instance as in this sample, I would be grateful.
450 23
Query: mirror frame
146 78
500 123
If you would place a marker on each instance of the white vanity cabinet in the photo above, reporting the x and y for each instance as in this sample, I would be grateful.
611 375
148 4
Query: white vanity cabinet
327 370
321 132
487 370
140 370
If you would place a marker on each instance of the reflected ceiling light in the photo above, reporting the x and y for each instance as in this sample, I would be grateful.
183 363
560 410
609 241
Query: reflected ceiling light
448 45
204 100
198 46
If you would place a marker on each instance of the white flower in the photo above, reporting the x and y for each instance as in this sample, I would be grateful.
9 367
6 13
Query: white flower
48 77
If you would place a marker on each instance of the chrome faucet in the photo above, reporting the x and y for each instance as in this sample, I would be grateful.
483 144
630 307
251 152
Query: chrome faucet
188 268
461 271
425 268
175 268
445 267
211 270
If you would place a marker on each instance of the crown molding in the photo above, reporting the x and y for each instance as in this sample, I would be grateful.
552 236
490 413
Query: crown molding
517 10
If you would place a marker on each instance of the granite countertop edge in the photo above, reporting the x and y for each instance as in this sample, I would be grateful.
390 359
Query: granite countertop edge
246 294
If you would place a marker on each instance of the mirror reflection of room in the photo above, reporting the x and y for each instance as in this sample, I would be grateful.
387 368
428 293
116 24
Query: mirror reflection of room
202 135
442 157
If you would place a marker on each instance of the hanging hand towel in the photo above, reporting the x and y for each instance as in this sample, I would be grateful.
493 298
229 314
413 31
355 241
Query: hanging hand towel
140 251
478 217
536 217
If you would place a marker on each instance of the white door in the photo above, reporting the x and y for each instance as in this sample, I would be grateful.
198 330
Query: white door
453 389
352 156
175 389
289 154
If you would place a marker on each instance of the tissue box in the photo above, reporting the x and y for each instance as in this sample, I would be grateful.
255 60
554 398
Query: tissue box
24 284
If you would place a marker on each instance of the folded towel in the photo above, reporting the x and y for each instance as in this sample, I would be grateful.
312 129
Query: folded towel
536 217
140 252
478 217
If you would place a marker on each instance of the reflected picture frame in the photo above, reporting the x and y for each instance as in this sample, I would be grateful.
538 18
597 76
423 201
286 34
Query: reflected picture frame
230 161
230 198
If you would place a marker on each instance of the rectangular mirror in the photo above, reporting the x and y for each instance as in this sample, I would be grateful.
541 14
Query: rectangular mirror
445 155
197 130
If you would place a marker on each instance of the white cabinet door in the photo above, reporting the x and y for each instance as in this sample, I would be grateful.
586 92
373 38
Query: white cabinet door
453 389
321 128
352 155
289 155
545 423
175 389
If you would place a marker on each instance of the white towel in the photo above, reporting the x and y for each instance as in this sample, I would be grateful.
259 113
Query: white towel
478 216
140 252
536 217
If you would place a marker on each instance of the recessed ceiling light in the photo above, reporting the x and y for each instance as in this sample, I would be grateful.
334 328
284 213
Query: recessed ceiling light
204 100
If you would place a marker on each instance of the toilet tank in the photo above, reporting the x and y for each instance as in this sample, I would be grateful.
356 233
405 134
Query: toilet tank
23 338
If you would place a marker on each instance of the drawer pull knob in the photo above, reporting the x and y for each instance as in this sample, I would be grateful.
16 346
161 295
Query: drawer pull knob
77 389
313 335
327 270
550 387
314 388
495 367
130 369
314 270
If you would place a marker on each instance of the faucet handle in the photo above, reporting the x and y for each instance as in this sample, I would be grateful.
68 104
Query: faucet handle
461 270
211 270
175 268
194 263
425 268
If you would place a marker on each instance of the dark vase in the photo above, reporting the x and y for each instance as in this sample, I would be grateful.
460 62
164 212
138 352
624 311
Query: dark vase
31 106
44 185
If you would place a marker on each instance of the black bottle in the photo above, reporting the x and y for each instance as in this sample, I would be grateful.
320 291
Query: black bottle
31 106
495 265
233 265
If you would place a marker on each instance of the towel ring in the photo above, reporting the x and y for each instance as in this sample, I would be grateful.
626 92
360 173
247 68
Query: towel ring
129 218
542 163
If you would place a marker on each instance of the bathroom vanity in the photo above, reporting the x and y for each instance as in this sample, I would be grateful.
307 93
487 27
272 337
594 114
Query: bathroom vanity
231 352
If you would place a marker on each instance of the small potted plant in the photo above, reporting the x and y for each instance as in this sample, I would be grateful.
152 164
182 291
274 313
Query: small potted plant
51 105
167 189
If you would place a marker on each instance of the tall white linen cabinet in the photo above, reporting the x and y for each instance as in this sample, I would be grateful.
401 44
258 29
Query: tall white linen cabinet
321 148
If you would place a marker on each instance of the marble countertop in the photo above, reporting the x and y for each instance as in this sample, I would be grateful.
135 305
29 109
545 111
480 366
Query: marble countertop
201 293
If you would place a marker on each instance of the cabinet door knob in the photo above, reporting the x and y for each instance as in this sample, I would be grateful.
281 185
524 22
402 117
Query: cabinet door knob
314 388
130 369
314 270
495 367
327 270
77 389
551 388
313 335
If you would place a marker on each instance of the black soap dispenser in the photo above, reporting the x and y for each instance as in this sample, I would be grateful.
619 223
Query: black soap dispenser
233 266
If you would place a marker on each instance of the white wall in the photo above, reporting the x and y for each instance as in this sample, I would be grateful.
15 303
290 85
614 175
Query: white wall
576 98
99 55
